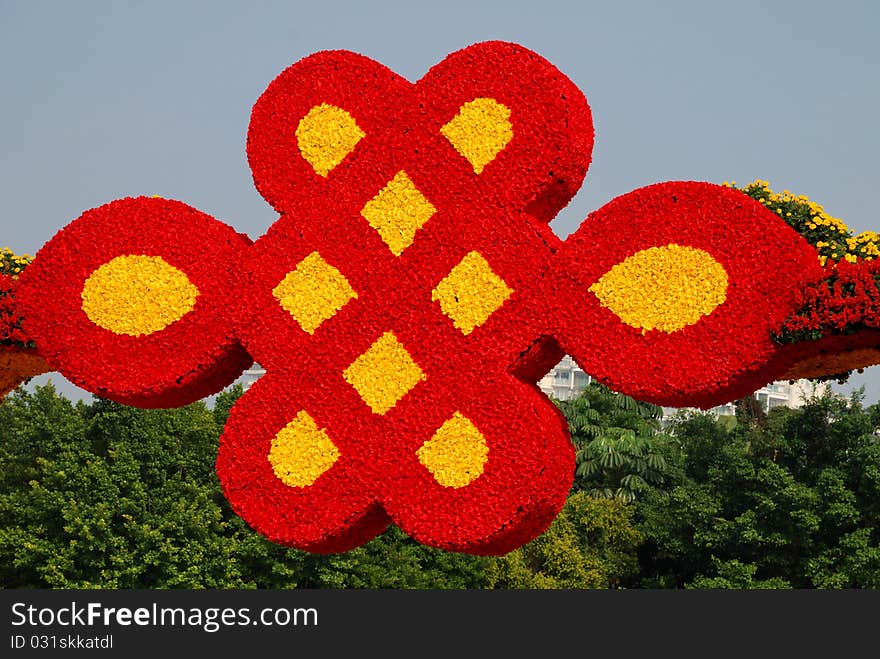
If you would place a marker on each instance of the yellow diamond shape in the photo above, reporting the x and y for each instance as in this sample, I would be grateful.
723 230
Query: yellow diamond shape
397 212
301 451
479 131
457 452
313 292
471 292
325 135
384 373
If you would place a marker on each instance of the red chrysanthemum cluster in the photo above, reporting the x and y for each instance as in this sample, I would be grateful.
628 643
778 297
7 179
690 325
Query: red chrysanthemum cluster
844 301
11 333
836 328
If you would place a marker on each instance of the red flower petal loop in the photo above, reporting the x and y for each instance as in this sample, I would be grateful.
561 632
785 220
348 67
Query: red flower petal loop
341 82
447 497
533 129
327 503
119 265
543 165
724 354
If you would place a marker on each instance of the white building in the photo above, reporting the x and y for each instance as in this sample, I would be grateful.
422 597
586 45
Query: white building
778 394
254 373
565 380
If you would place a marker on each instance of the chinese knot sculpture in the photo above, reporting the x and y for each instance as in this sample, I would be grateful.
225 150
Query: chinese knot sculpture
409 297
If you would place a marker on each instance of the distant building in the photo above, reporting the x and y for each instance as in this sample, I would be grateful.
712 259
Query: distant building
251 375
564 381
776 394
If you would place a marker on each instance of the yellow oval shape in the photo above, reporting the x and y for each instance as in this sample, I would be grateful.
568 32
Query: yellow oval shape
136 294
663 288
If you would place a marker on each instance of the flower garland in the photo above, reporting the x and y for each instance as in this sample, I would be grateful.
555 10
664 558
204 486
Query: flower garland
833 331
19 360
11 266
837 328
694 326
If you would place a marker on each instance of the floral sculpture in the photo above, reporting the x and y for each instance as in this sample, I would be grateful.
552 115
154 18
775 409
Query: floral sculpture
410 295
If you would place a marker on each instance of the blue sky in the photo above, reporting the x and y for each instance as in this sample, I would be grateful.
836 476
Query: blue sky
102 100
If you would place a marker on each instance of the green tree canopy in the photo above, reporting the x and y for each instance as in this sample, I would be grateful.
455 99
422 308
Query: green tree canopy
107 496
793 501
619 449
102 495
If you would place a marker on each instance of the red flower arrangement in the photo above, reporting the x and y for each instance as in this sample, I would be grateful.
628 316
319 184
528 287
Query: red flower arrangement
130 302
11 333
719 355
19 360
382 311
836 328
411 273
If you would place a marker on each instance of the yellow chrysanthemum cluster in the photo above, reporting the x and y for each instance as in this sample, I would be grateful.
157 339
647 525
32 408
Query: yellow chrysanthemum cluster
12 263
325 136
829 235
663 288
471 292
456 454
135 295
384 374
479 131
313 292
397 211
301 452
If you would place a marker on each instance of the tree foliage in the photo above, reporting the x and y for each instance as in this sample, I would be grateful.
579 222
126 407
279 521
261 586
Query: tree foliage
793 501
102 495
591 544
99 495
619 450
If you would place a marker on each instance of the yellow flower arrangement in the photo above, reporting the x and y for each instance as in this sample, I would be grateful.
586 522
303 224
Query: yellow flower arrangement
479 131
302 451
829 235
135 295
457 452
11 263
663 288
